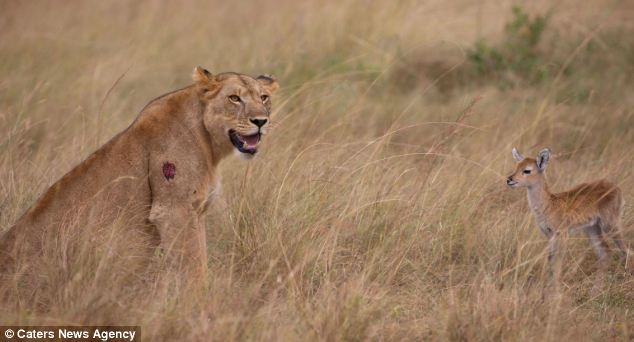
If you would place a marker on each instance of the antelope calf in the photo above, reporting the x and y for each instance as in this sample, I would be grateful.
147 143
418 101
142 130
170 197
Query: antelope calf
594 208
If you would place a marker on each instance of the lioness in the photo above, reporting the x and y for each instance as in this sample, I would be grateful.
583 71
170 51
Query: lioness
157 175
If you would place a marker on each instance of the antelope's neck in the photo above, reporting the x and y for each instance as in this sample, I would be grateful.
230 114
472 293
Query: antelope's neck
538 198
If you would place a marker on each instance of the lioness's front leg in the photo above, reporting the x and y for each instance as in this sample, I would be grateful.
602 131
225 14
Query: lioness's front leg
182 238
176 213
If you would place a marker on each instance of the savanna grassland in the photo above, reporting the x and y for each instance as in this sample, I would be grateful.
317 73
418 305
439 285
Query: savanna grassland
377 208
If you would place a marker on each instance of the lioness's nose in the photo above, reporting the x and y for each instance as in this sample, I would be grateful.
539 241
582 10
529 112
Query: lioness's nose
258 122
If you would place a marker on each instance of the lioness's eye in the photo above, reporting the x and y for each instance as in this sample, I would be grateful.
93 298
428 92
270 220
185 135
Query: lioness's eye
234 98
527 172
264 98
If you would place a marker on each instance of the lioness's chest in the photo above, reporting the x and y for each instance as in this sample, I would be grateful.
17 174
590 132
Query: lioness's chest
211 192
214 189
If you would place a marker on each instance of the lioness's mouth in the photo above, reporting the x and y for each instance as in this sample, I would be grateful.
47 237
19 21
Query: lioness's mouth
245 143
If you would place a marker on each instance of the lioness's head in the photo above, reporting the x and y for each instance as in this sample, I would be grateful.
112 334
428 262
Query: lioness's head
237 108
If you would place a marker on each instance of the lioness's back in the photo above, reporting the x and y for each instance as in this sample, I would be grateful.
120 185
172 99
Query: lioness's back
110 184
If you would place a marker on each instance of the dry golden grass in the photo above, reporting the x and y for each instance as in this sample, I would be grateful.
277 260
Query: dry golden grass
377 208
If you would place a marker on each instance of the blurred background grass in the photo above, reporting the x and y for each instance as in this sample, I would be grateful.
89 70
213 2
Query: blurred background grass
377 208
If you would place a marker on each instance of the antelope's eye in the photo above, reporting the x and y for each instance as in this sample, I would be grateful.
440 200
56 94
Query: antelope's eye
526 172
235 98
264 98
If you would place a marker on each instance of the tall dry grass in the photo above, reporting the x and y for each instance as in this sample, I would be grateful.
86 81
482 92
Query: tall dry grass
377 208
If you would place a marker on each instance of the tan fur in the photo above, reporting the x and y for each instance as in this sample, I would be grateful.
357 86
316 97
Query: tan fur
595 207
124 180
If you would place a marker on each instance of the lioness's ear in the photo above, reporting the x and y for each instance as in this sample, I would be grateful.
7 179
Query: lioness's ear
268 82
201 75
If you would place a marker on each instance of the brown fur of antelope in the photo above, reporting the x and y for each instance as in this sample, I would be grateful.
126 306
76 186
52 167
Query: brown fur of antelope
595 208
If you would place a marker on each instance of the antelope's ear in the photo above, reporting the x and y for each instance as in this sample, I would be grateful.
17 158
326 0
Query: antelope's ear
201 75
542 159
268 82
518 157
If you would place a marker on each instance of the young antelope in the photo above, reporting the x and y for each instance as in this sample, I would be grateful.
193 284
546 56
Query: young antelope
594 208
